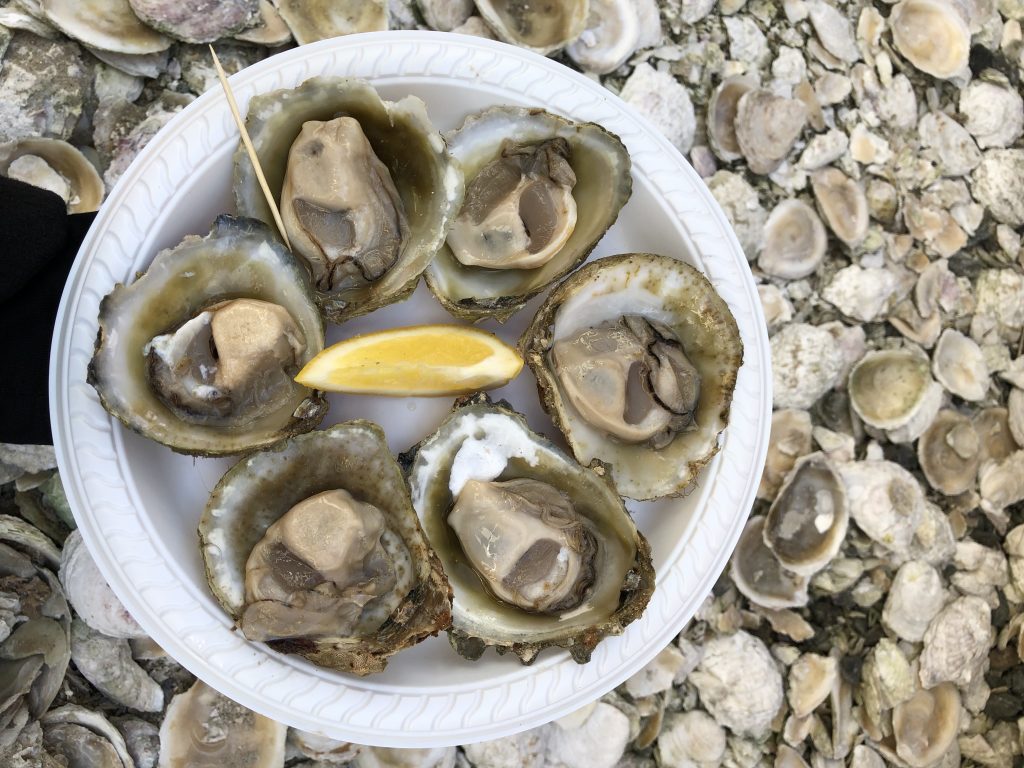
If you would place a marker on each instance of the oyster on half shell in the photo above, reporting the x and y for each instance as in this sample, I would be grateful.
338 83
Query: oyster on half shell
541 191
636 358
366 188
199 352
313 547
540 551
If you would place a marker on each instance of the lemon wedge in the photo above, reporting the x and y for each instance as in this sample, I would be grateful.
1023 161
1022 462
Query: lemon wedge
421 360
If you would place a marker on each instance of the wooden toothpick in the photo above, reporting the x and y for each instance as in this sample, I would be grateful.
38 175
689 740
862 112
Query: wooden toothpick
249 148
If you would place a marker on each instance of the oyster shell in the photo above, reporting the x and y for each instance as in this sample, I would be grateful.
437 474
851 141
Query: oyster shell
661 319
312 20
721 118
108 25
888 387
807 522
150 329
197 21
926 725
563 564
369 222
794 241
760 576
203 729
347 599
949 452
540 27
57 166
932 36
545 188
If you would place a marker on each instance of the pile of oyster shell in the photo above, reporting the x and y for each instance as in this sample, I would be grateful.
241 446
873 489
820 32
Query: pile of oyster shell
320 544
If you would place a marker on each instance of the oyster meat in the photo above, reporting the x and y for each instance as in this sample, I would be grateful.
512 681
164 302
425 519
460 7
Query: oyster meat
314 548
636 359
539 550
366 188
199 352
540 192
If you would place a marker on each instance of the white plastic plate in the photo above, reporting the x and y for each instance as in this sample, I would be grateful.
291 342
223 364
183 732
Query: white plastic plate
138 504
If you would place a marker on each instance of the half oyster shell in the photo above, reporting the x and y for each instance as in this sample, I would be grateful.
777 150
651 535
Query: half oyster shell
539 550
541 191
636 358
157 366
370 194
540 27
287 575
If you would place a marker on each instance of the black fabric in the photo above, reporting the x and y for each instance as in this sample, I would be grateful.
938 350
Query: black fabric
38 243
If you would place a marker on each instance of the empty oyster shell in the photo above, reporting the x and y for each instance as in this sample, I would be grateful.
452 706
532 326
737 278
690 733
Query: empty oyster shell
612 35
806 524
84 737
540 551
811 680
932 35
760 576
109 25
203 729
888 387
794 241
143 367
57 166
843 203
790 439
767 127
348 600
90 595
312 20
949 452
541 27
721 117
959 365
926 725
271 30
661 319
540 192
370 222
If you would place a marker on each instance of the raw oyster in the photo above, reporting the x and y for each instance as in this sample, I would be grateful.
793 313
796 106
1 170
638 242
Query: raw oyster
366 188
314 547
540 192
237 395
540 551
541 27
668 352
57 166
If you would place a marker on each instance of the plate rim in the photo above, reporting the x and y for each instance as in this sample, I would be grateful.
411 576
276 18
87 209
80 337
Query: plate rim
406 723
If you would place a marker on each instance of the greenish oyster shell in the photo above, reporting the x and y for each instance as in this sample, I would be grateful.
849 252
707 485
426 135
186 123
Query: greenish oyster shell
603 185
541 27
259 490
403 138
660 288
625 574
237 259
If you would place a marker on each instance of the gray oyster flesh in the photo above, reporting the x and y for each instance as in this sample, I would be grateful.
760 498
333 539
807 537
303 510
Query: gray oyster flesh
340 207
526 542
519 210
325 568
230 364
630 378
